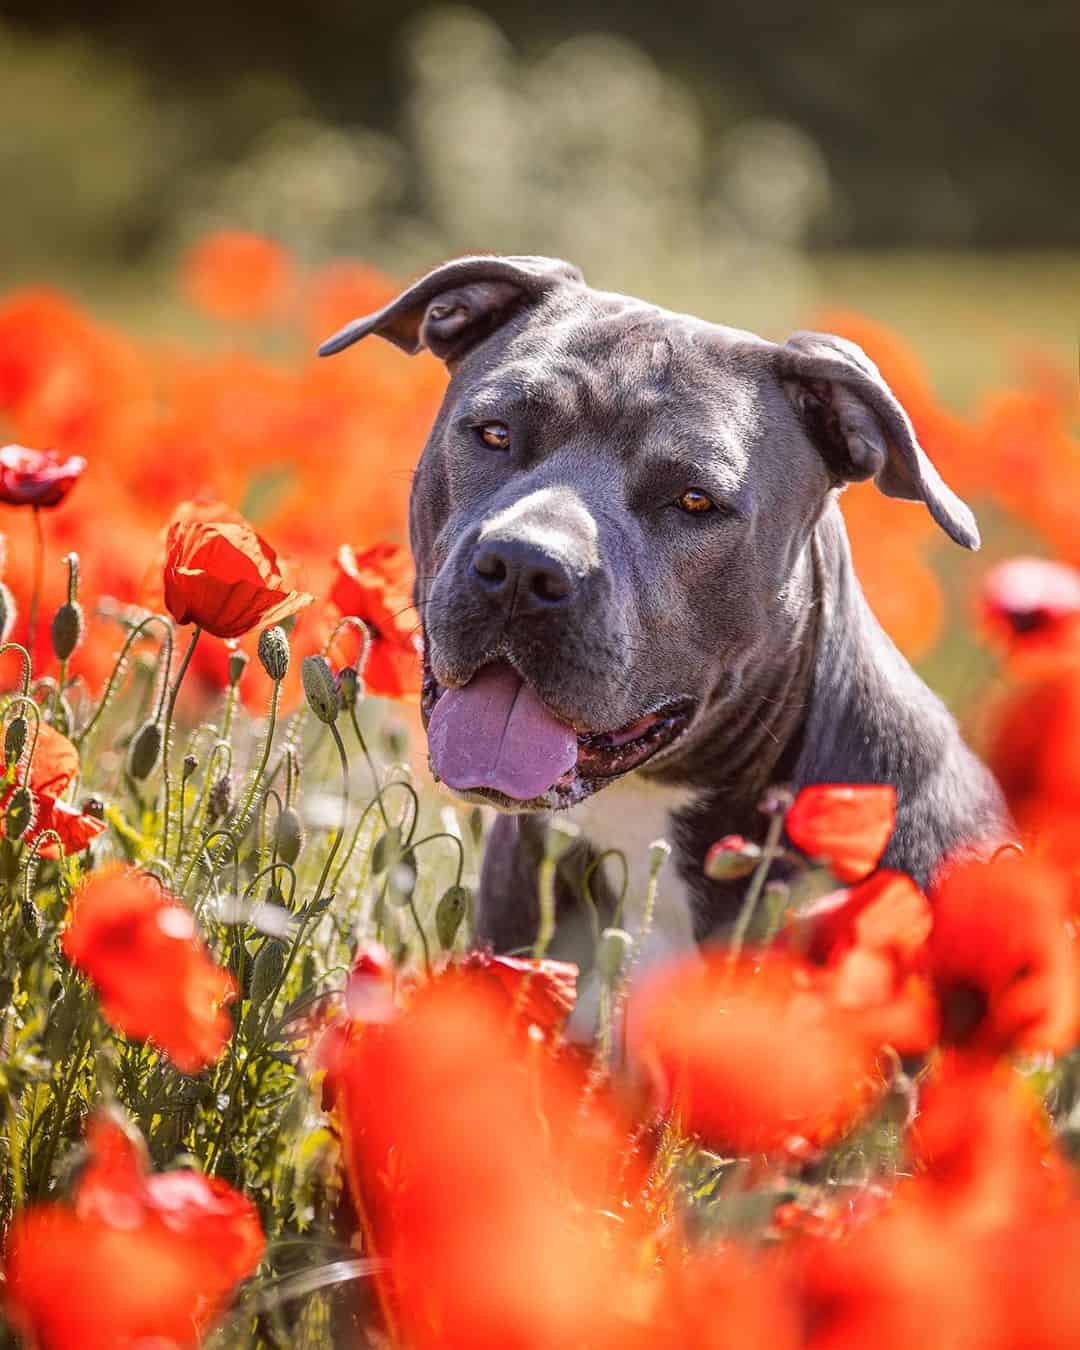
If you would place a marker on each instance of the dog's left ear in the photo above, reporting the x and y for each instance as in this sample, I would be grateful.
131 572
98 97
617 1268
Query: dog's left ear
455 307
860 429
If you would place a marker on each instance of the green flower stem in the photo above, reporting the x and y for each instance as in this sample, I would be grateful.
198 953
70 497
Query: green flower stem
769 852
241 819
167 733
442 834
120 665
370 763
26 660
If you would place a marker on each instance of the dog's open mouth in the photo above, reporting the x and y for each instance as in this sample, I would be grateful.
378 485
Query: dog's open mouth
495 739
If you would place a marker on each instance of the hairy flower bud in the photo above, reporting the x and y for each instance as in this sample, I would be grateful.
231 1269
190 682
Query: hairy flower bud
190 765
238 663
290 835
319 688
451 910
274 652
15 740
611 953
67 629
20 813
267 971
145 750
93 806
8 612
350 687
731 858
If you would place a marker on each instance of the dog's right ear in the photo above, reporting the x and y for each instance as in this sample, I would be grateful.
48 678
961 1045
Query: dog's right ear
458 305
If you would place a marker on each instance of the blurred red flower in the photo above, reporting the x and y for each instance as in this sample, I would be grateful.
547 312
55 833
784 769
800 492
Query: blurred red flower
541 993
138 1260
140 948
54 767
221 575
1032 606
1034 747
1002 956
755 1057
37 477
234 274
375 585
847 826
870 939
502 1222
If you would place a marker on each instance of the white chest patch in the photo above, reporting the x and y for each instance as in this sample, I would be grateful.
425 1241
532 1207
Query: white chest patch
628 816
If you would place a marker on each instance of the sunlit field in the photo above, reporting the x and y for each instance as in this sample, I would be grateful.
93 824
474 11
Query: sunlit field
257 1087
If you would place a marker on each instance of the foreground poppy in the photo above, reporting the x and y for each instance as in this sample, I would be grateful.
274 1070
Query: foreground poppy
141 950
375 585
1002 956
847 826
501 1221
541 993
755 1058
54 767
138 1260
1032 605
37 477
222 576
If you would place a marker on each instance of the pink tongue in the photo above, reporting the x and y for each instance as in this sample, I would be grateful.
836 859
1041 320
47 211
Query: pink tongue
495 733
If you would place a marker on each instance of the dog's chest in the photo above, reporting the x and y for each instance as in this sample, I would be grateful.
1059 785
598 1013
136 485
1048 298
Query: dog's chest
627 817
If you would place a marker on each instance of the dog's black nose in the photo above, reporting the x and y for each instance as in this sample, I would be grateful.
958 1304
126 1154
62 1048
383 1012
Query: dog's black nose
519 575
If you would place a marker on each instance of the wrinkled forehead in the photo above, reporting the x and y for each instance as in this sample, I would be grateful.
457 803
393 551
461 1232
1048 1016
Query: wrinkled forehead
630 371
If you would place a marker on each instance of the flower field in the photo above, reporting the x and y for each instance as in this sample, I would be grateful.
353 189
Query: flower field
256 1088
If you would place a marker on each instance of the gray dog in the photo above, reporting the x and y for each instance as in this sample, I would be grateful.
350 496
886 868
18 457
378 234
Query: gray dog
637 596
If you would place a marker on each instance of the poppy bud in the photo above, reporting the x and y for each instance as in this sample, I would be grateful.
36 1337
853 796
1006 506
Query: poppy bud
777 801
15 740
349 686
67 629
274 652
659 852
731 858
8 612
219 802
449 914
238 662
403 881
190 765
319 688
387 850
614 947
290 835
145 750
20 813
267 971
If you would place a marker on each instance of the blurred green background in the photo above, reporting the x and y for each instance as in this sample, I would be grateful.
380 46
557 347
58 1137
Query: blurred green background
750 162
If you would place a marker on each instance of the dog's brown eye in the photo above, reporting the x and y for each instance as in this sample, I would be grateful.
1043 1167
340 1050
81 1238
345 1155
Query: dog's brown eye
695 502
495 434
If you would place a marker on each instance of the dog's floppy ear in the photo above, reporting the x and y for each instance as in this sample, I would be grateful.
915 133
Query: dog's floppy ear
860 429
458 305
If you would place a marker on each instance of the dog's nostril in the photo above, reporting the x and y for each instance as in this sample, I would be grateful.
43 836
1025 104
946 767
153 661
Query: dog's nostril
488 564
549 585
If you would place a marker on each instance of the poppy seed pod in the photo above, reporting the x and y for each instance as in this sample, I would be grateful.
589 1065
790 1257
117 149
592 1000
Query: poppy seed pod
614 947
15 740
290 835
20 813
145 750
221 794
67 629
319 688
349 686
274 652
449 913
238 663
267 971
8 612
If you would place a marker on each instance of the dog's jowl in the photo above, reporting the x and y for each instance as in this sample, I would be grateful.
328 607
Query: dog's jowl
637 596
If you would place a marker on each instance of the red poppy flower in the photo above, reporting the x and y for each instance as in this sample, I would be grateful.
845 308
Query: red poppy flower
847 826
758 1310
1034 748
140 948
37 477
375 585
1002 956
138 1259
54 767
753 1057
237 275
502 1220
869 940
1033 606
541 993
221 575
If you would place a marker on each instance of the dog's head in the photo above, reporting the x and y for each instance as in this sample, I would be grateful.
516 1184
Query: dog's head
611 518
